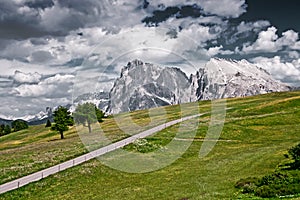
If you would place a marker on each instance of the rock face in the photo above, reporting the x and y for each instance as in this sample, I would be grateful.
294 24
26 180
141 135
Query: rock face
144 85
222 78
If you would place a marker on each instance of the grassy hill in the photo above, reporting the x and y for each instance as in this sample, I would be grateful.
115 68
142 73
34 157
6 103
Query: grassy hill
257 133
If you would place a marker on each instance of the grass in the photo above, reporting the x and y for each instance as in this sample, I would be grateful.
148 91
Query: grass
36 148
258 132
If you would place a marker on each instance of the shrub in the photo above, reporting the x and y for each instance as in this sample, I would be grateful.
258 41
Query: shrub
19 124
295 153
248 185
280 183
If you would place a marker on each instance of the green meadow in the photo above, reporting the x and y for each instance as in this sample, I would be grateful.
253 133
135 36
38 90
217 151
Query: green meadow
257 133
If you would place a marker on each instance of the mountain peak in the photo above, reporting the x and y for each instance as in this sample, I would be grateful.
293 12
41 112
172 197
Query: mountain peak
133 64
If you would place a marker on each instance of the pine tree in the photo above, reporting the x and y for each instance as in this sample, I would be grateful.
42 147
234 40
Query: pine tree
7 130
48 124
2 126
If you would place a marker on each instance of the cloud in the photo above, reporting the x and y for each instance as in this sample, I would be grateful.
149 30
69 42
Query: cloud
295 46
45 17
57 18
21 77
213 51
224 8
269 41
288 72
30 98
252 26
54 87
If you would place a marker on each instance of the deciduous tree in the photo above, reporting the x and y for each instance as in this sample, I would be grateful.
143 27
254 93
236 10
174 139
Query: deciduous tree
87 114
62 120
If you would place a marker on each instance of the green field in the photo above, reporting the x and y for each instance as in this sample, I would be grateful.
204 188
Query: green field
257 133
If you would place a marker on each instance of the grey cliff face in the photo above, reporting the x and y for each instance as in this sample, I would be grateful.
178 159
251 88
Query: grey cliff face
226 78
144 85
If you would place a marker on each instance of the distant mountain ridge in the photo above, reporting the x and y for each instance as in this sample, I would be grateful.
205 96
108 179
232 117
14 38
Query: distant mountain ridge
222 78
143 85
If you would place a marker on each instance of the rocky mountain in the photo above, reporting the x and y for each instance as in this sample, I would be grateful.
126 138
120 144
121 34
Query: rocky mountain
144 85
222 78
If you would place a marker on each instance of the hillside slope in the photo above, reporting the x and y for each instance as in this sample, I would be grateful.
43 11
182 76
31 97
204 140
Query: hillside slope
257 133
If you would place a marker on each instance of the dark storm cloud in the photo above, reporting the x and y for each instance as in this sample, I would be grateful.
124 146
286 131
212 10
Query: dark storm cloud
15 24
158 16
37 18
42 4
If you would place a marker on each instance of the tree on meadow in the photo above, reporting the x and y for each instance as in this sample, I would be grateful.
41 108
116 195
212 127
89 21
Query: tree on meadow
62 120
87 114
48 123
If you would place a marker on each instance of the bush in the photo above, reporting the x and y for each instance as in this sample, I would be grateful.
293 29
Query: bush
19 124
280 183
295 153
143 146
272 185
7 130
265 191
248 185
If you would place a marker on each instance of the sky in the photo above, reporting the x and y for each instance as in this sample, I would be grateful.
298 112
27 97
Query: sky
54 50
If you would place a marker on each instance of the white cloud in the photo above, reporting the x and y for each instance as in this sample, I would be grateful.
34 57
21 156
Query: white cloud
296 46
269 41
212 51
199 33
286 71
225 8
8 68
293 54
249 26
149 43
288 38
54 87
266 42
21 77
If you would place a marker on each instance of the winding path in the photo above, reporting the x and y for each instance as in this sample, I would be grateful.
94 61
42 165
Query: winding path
88 156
